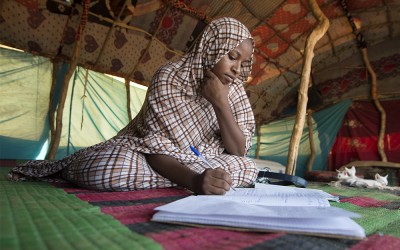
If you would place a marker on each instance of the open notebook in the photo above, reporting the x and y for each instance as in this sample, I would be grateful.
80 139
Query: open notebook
265 208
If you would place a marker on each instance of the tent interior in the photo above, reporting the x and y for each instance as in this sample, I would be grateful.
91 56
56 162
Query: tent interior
103 40
81 68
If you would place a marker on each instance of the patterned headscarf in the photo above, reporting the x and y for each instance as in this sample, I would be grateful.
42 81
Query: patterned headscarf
220 37
175 116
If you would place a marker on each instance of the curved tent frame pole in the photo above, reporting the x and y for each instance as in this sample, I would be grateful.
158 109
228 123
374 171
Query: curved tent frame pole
128 98
312 39
310 161
55 140
374 95
56 67
362 44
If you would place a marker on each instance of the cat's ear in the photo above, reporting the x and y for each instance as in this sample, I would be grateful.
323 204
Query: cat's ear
351 171
337 170
378 176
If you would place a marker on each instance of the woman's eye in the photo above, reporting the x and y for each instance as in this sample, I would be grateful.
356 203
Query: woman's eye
231 57
245 63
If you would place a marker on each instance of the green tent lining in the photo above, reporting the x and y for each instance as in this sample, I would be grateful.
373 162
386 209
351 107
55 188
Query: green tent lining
25 82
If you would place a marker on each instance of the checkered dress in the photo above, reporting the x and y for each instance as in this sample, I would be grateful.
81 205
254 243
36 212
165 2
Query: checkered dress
174 116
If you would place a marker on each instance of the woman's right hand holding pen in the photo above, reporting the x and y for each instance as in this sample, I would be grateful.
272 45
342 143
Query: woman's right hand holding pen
213 181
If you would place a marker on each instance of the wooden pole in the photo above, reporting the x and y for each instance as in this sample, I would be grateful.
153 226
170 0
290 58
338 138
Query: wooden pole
110 31
55 141
84 97
312 39
56 67
130 76
311 140
374 95
128 98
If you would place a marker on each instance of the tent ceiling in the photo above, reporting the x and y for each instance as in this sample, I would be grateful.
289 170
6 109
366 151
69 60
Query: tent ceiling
149 33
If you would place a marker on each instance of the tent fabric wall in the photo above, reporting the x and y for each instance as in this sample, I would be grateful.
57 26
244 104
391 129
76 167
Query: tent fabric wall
97 114
25 82
25 86
275 138
358 135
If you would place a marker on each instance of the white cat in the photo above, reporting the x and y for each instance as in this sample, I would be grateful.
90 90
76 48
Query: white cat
382 179
348 177
379 182
344 177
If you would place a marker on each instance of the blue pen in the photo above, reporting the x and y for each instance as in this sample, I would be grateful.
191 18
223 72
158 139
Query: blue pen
203 159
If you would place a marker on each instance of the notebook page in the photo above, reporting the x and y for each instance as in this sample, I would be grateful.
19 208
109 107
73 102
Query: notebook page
272 197
305 191
212 205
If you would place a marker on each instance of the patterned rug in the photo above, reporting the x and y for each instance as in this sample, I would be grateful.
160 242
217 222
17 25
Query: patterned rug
87 220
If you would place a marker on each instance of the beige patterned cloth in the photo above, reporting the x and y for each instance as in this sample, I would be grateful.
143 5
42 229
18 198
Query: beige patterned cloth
173 117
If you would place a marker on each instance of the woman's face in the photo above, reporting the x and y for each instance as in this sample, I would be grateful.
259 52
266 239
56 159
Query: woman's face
230 66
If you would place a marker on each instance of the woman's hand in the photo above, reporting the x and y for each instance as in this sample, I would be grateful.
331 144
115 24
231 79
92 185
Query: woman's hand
216 93
213 90
213 181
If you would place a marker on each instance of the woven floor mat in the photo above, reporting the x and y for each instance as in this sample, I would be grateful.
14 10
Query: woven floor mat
36 215
135 209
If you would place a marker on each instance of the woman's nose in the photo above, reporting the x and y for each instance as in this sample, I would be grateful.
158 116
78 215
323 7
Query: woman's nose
236 68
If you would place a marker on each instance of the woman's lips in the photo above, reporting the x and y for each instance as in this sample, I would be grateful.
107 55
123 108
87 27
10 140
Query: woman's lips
230 78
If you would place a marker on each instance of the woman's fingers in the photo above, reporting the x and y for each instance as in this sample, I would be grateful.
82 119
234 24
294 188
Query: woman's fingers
216 181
